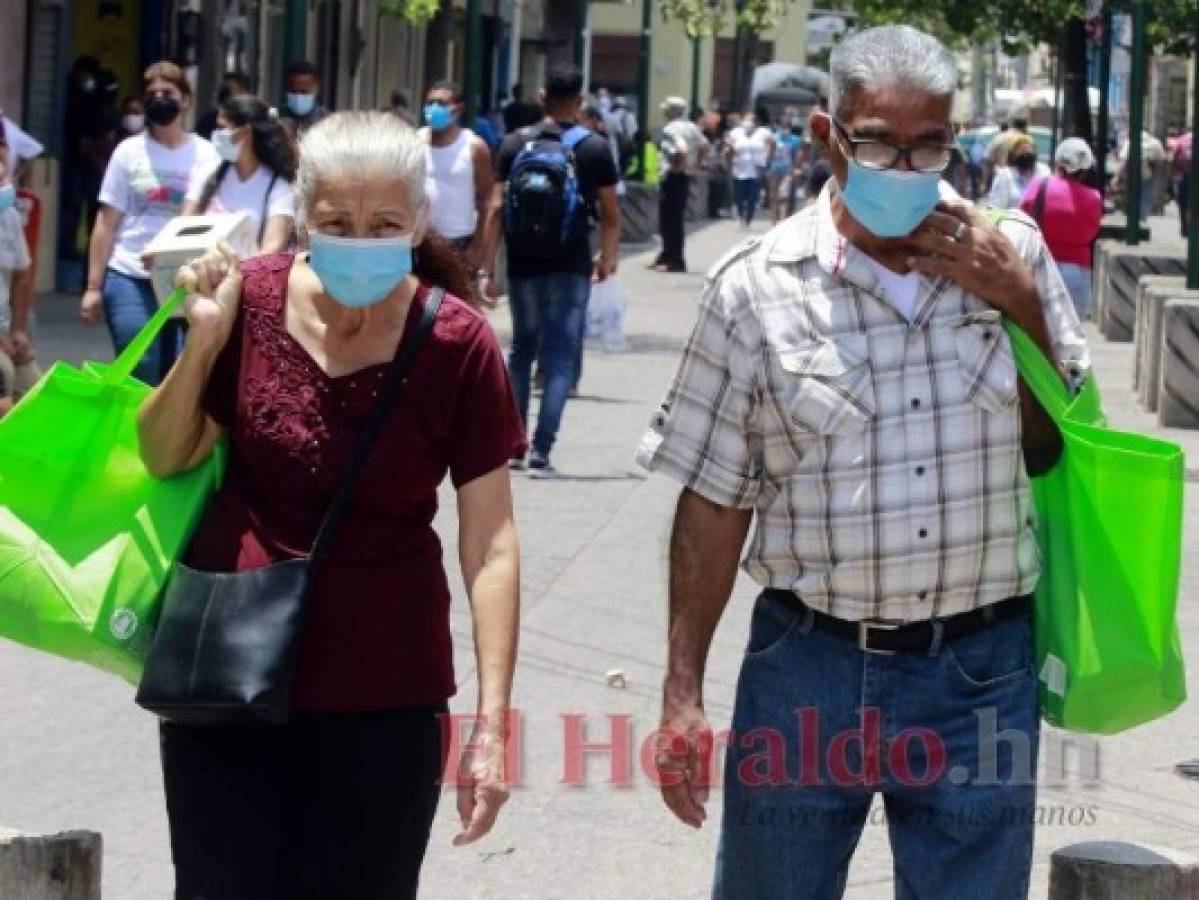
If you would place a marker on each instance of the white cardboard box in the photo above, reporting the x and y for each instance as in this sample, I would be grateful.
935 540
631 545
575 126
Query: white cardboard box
186 237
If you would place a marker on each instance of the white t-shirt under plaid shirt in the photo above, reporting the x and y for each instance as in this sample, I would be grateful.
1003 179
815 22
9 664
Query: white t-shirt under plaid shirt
883 458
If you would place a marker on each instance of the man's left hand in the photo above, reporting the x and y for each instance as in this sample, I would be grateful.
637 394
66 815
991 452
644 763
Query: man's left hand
22 347
605 268
956 243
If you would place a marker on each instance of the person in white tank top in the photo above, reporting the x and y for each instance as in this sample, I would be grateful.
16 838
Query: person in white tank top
458 176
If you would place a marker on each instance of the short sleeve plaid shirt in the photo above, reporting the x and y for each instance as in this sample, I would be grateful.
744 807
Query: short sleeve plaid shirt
883 457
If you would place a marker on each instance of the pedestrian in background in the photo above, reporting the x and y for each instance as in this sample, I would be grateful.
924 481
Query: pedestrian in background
133 118
303 98
783 162
458 172
849 391
1183 148
1012 180
547 235
284 359
255 174
1069 213
233 84
749 153
18 369
683 151
144 187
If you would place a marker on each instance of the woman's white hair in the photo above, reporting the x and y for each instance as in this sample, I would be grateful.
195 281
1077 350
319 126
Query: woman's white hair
367 144
890 55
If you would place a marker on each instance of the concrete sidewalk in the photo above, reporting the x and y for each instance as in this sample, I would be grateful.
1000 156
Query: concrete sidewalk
78 754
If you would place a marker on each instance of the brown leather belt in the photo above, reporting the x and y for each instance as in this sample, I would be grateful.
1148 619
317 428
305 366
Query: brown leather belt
875 636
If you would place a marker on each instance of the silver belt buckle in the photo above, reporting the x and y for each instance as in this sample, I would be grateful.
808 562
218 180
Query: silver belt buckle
864 628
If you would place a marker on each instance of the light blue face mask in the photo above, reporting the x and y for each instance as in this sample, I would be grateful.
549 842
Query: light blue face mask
8 197
359 272
888 203
439 117
301 104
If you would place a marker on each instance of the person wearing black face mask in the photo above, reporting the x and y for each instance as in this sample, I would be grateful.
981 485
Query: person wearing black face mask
1012 181
144 187
234 84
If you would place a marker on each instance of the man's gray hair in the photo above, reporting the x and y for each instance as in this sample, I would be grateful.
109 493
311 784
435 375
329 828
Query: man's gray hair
369 144
891 55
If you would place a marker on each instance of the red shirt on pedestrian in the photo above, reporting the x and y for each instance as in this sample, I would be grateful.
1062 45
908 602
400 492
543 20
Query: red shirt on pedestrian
377 634
1071 218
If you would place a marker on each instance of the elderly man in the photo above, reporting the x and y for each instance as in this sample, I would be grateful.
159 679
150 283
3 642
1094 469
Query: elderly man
684 151
849 380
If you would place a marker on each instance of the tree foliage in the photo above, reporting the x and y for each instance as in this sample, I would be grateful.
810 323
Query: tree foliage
418 12
704 18
1172 24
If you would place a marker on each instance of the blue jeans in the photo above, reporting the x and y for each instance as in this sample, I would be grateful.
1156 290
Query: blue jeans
128 305
1078 283
746 192
548 320
949 739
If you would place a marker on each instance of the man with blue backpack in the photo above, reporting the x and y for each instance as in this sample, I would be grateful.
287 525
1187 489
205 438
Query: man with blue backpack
553 181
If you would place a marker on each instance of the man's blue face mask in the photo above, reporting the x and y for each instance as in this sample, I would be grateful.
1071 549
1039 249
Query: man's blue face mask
889 203
438 116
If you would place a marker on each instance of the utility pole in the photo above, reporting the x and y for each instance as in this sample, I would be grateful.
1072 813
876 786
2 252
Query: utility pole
1105 88
581 26
643 70
696 41
1136 120
1192 200
474 59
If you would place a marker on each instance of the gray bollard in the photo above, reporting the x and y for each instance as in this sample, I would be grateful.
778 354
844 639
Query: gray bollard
63 866
1115 870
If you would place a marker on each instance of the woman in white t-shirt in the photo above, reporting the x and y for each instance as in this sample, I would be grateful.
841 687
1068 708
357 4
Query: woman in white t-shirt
750 148
257 168
144 186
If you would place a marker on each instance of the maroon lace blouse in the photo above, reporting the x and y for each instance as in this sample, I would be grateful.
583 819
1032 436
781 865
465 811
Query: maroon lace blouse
378 634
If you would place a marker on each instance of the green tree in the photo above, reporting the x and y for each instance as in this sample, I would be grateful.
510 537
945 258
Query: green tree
418 12
1017 24
751 18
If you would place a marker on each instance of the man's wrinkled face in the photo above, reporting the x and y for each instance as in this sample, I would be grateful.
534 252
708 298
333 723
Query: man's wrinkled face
893 115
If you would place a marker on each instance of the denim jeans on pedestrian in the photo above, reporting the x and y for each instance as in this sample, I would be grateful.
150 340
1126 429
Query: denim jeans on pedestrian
746 192
955 762
128 305
548 318
1078 283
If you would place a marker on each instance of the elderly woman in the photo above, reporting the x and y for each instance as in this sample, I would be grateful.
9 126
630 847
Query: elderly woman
1070 213
283 357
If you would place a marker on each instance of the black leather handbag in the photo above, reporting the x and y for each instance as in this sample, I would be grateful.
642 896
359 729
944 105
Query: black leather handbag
226 646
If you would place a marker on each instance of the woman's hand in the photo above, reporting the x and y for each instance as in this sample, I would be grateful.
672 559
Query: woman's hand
213 284
482 782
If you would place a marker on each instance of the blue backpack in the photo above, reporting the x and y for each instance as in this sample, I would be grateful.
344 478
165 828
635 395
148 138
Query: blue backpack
544 208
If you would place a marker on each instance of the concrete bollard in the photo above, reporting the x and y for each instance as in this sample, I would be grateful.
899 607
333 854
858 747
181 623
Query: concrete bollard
1178 391
1153 292
63 866
639 213
1115 870
1118 270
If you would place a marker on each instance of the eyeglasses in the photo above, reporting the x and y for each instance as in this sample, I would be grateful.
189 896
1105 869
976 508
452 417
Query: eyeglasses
872 153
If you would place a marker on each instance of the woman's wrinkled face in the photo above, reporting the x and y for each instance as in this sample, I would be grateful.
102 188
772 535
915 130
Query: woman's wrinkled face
366 206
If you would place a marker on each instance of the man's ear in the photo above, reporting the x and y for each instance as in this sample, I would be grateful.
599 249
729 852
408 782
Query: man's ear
820 125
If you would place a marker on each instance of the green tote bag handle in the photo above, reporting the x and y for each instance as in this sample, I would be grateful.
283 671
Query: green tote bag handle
1038 373
124 364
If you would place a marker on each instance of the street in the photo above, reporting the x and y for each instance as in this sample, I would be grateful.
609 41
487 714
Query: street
77 753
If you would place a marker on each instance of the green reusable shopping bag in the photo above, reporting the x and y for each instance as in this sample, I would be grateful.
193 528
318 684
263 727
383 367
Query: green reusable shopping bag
87 535
1109 528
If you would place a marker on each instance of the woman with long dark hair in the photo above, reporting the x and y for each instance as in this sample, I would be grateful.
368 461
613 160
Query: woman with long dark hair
285 357
255 174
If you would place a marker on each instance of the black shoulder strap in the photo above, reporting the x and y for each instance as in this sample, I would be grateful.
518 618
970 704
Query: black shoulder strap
266 205
1038 208
391 387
